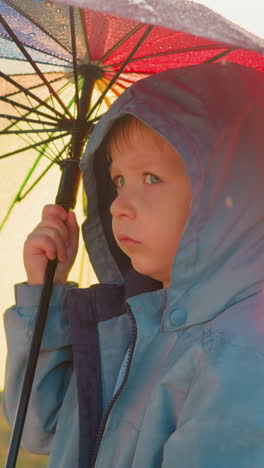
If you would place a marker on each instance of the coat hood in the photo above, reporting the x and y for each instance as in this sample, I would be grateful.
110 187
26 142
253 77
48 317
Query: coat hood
213 115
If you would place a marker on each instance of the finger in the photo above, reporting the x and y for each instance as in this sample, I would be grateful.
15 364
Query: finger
49 242
71 219
55 222
55 210
73 230
72 224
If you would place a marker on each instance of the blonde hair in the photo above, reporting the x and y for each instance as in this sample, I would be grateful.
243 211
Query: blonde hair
121 131
121 128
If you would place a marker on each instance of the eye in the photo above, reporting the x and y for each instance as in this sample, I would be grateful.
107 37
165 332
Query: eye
152 179
119 181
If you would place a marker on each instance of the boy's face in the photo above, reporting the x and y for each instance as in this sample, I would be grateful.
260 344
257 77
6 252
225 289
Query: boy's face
153 200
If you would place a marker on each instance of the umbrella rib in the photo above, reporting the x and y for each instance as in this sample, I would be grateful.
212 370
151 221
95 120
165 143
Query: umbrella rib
35 145
15 124
22 135
31 20
67 63
46 131
221 55
121 41
18 196
40 122
95 119
85 34
131 72
98 108
29 140
74 55
30 111
33 64
123 79
33 131
51 140
35 86
62 137
36 181
173 52
100 99
25 119
54 161
27 92
23 106
113 88
70 103
99 86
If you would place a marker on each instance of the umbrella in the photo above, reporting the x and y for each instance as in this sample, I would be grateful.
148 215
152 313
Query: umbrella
61 66
55 61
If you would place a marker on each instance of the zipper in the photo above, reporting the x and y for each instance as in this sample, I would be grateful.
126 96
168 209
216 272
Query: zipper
116 395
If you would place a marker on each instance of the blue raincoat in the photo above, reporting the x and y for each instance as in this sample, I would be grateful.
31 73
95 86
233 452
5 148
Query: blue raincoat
190 392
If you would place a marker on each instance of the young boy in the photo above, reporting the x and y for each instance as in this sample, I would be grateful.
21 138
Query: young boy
168 351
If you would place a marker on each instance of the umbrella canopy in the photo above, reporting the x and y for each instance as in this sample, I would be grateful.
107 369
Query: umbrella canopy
240 25
60 67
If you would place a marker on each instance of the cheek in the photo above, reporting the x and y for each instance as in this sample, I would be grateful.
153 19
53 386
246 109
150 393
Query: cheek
114 229
168 226
113 225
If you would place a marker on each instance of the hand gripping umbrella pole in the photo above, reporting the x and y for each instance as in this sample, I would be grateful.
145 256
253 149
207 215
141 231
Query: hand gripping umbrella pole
66 197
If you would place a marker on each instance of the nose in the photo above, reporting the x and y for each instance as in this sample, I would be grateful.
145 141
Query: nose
123 206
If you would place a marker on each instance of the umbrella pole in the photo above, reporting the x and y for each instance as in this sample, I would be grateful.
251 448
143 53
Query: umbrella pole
66 197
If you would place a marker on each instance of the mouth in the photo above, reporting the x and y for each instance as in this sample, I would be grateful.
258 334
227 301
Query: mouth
128 241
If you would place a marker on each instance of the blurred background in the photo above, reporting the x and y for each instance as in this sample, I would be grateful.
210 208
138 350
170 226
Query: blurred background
23 219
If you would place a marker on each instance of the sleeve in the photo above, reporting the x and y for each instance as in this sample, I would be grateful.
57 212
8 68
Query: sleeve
54 368
222 421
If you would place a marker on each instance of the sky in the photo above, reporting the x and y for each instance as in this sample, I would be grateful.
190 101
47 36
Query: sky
247 14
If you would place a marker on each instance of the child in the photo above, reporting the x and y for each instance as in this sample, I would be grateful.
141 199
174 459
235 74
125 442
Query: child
162 364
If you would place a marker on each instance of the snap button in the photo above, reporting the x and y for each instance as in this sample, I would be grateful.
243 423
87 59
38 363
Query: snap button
178 317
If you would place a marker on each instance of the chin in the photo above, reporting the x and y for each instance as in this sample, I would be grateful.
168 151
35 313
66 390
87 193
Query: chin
143 270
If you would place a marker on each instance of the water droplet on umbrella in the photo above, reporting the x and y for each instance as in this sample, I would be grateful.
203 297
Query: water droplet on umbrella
229 201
